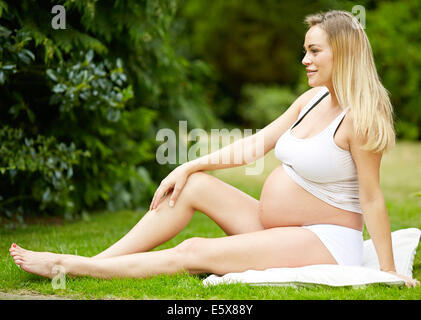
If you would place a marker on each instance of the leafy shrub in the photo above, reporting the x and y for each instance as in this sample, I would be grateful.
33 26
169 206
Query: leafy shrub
394 31
39 168
81 106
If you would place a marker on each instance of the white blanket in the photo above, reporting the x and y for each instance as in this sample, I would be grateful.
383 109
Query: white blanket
404 244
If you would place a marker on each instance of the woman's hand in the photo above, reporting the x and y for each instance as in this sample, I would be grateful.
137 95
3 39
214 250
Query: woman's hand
174 181
409 282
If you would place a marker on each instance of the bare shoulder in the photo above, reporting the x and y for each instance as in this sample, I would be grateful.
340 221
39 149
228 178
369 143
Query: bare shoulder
271 133
353 140
348 128
305 97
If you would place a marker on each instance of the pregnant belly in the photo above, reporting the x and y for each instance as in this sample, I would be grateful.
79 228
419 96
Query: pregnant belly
285 203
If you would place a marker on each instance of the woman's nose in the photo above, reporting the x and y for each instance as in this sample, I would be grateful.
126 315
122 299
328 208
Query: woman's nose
306 61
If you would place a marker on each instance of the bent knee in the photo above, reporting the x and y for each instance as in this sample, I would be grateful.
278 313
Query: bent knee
197 179
191 253
196 182
190 246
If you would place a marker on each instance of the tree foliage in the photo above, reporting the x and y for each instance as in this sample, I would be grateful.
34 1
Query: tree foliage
394 31
80 106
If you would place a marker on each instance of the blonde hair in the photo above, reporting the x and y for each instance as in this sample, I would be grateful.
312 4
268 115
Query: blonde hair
355 79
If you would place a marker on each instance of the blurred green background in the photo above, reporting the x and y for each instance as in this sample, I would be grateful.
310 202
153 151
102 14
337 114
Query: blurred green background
81 106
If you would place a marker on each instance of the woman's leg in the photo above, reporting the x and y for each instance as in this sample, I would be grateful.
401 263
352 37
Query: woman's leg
270 248
233 210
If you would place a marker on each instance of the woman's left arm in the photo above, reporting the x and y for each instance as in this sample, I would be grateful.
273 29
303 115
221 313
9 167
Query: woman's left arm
373 206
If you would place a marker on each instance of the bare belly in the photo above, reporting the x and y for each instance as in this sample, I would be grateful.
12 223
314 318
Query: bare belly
285 203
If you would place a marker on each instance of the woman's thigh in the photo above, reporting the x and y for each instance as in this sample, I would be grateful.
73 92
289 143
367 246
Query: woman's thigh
232 209
270 248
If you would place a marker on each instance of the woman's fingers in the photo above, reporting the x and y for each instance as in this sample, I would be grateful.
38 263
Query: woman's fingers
153 201
412 283
174 195
162 191
409 282
157 197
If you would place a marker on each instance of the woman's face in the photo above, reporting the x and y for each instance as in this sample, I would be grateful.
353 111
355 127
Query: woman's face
318 57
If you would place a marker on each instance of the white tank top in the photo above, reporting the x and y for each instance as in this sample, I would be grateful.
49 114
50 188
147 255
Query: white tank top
318 165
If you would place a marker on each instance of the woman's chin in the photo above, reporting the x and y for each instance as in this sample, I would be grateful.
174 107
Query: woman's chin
314 83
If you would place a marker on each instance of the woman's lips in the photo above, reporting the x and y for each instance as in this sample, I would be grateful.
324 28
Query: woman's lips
310 73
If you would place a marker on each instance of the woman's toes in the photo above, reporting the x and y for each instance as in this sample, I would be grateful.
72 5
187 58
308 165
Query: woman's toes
14 246
18 261
15 252
18 248
18 256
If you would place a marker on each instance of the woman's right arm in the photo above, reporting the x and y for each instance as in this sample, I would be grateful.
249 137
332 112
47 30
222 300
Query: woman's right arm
252 148
239 153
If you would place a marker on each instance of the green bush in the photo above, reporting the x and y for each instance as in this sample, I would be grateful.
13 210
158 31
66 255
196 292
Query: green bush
394 31
38 169
81 106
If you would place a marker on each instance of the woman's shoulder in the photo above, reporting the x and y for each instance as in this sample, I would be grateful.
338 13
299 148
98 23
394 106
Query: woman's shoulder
351 135
308 95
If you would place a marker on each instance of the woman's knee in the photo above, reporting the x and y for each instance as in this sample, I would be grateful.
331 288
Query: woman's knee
195 182
190 246
197 179
191 251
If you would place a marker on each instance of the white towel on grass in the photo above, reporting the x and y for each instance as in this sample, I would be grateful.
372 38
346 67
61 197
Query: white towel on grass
404 244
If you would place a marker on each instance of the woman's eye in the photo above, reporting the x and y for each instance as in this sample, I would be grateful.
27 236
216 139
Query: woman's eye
313 51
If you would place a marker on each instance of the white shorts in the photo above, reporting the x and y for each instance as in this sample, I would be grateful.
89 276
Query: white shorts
345 244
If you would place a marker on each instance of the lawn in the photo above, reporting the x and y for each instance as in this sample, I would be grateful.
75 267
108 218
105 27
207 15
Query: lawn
400 180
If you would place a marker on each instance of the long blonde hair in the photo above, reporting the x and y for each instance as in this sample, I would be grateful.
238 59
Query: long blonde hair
355 79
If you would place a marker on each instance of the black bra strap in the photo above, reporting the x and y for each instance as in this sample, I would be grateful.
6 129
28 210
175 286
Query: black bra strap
320 99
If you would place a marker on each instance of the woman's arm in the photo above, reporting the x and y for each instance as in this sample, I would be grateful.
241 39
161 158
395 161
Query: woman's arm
251 148
238 153
378 226
377 221
223 158
372 202
241 152
373 206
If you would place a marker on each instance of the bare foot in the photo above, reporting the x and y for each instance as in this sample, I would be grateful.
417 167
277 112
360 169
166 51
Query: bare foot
45 264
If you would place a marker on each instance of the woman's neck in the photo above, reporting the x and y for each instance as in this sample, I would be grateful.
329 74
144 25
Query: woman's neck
333 98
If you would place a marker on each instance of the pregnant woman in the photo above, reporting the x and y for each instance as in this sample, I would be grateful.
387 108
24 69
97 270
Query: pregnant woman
330 142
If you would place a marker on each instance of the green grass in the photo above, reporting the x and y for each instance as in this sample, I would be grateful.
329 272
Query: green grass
400 179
